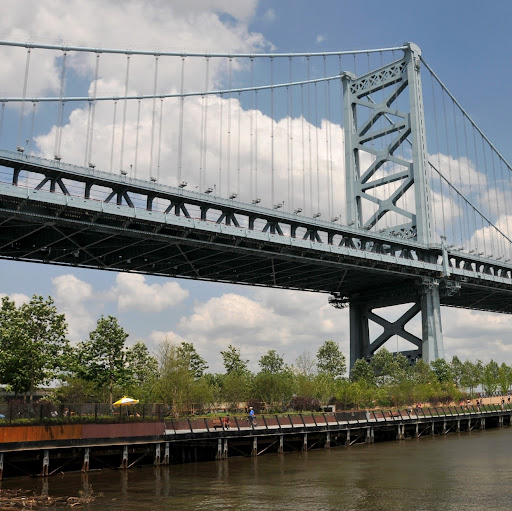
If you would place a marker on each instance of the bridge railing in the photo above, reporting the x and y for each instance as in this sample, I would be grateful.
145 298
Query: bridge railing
17 413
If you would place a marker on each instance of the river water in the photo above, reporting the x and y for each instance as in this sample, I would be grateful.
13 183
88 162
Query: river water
467 471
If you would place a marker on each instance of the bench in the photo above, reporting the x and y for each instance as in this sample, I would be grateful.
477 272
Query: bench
219 422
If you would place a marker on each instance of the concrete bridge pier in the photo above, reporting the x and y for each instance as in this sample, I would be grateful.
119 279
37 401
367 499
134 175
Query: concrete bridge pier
444 427
327 444
305 442
482 423
458 425
401 432
280 449
417 430
225 449
157 454
1 465
254 446
370 435
347 441
500 421
432 428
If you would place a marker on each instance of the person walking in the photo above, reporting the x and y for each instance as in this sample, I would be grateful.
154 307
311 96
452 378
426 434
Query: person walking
251 416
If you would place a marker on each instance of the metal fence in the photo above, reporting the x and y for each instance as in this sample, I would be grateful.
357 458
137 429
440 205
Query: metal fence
33 413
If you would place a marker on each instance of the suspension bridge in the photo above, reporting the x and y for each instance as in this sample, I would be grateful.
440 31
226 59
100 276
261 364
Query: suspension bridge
352 173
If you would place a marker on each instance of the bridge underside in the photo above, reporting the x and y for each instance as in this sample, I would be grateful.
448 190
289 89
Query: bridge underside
62 235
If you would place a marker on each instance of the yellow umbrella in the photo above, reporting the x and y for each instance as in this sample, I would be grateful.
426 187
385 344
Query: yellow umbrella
126 401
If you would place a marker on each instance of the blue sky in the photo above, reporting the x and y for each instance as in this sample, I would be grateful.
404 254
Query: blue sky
467 44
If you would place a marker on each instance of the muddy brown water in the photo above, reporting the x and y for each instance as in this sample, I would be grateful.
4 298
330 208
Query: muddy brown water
467 471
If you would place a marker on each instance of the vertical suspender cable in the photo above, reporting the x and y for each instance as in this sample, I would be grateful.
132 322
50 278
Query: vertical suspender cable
309 142
251 135
506 254
292 185
32 126
327 159
22 106
93 111
153 119
238 149
2 115
464 219
159 139
317 129
303 144
491 230
121 162
438 153
471 211
221 118
205 127
479 191
228 148
256 146
272 192
180 122
137 131
60 115
288 115
113 136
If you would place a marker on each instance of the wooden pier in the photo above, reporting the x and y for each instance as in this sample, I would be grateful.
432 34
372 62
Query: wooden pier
43 450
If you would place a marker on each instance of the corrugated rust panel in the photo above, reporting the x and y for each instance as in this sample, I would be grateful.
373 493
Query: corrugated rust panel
123 430
11 434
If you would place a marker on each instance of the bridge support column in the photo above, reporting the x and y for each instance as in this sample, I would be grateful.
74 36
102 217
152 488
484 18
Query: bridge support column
417 431
1 465
422 298
225 449
327 444
157 454
482 423
401 432
46 462
255 446
432 333
500 421
167 454
370 435
347 441
432 428
305 442
444 427
85 465
124 461
458 425
280 449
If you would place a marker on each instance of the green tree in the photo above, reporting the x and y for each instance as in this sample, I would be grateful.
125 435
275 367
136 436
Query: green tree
140 364
232 360
362 372
175 382
490 377
471 374
505 378
330 359
102 359
457 368
271 362
442 370
33 343
196 364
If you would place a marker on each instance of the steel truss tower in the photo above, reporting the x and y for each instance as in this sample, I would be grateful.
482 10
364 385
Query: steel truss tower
385 156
